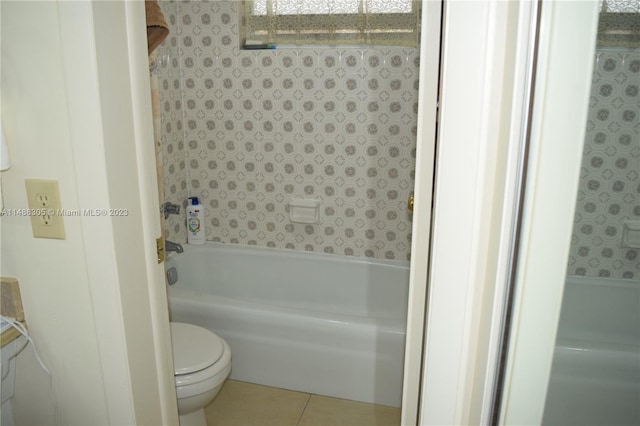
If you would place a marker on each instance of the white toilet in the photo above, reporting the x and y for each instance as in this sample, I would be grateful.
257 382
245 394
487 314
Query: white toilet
202 362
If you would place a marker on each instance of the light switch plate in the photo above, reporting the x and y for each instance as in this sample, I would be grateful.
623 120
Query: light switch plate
44 204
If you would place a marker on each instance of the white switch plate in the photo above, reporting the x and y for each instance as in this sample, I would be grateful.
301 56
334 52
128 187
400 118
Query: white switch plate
43 199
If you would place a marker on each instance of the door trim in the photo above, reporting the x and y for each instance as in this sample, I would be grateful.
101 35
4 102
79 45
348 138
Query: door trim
478 84
423 196
563 83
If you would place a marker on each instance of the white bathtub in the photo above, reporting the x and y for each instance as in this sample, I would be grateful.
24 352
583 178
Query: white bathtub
317 323
595 377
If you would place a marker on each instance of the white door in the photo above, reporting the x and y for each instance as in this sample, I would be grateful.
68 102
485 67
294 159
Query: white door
486 66
423 192
561 100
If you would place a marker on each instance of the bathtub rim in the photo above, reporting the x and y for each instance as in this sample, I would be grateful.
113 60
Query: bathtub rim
600 281
194 296
332 257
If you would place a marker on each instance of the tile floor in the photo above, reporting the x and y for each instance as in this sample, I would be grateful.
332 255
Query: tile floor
246 404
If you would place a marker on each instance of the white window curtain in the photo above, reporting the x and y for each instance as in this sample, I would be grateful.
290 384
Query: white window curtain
331 22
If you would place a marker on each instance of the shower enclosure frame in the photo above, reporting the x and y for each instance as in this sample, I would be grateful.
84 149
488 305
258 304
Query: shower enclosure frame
559 113
483 81
468 265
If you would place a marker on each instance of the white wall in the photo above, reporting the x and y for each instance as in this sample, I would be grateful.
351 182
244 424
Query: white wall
52 273
89 299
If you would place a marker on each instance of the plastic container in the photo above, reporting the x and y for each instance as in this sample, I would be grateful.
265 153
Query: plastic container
195 222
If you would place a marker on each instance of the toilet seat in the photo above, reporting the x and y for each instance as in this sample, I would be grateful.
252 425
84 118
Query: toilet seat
194 348
202 363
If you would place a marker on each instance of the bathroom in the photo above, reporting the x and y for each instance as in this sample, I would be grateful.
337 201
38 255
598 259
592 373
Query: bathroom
71 299
248 132
213 157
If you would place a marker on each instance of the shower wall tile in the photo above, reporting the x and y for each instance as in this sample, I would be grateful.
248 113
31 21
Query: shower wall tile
173 154
609 190
263 127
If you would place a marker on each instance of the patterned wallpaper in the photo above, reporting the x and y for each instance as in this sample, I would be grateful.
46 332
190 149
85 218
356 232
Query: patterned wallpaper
609 191
246 131
173 147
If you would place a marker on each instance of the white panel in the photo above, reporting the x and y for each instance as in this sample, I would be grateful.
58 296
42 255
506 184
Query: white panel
423 192
126 117
52 274
565 63
476 113
148 186
85 128
451 256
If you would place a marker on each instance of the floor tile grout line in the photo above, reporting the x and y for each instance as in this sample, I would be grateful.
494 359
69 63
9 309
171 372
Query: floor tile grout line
303 410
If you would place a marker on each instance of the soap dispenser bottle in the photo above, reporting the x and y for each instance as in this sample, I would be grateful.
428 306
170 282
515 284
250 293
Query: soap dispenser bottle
195 222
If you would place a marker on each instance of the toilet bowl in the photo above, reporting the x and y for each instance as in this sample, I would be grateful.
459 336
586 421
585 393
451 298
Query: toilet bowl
202 362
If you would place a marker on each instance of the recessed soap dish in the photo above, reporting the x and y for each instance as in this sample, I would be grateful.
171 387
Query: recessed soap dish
304 210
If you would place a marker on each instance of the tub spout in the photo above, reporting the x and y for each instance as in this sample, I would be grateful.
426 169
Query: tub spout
171 246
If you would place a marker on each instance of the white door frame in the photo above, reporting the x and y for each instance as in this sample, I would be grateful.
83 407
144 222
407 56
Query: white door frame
106 65
423 193
561 102
151 227
485 54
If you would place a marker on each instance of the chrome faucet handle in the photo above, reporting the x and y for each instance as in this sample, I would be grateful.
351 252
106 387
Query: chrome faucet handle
169 208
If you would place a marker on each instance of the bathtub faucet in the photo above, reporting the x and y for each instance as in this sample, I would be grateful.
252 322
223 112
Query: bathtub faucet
171 246
169 208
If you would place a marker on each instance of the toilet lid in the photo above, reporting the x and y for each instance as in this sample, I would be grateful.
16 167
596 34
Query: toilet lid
194 348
